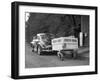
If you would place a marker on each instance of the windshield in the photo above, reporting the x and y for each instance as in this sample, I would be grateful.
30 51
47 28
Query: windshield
43 37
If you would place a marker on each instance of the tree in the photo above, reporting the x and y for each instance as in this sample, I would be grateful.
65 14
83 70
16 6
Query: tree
58 24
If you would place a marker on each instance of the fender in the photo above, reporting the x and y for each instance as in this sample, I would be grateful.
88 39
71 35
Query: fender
39 43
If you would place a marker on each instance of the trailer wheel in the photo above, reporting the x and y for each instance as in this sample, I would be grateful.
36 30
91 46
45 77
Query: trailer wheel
39 50
74 55
61 56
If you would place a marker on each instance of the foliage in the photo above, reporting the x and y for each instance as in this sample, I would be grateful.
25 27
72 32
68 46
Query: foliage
58 24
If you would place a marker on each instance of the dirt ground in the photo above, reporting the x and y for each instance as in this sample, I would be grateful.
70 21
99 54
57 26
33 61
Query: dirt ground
33 60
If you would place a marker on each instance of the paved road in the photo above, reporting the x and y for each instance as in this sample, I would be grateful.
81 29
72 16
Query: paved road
32 60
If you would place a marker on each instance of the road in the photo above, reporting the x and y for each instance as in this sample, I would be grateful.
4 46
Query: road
33 60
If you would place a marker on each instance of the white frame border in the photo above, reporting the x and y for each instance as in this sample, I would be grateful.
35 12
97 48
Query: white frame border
53 70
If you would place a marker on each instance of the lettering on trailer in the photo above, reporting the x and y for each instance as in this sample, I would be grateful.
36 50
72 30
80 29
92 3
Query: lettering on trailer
70 40
65 40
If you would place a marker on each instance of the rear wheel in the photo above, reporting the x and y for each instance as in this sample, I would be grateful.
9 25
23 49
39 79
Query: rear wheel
74 54
39 50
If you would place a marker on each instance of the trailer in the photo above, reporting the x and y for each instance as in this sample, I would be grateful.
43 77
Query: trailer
65 44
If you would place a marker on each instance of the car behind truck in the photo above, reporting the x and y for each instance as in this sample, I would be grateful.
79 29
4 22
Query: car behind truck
48 43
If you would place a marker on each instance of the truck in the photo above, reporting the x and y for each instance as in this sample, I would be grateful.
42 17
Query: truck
42 43
46 42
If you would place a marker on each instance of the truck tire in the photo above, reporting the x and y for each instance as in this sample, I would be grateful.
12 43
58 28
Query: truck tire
39 50
35 49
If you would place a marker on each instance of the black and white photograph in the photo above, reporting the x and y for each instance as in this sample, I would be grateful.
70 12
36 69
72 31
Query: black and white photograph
53 40
50 40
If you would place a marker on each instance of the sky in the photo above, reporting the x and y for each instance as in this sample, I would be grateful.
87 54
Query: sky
27 16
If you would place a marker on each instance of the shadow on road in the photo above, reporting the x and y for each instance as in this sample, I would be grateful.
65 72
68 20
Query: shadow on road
49 53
